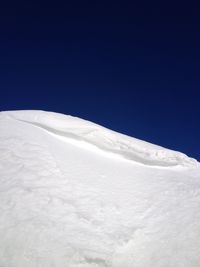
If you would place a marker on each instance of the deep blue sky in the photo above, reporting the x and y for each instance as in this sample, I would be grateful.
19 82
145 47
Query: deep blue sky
134 68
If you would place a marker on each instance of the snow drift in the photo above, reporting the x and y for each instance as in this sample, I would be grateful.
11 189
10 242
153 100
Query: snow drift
107 140
73 193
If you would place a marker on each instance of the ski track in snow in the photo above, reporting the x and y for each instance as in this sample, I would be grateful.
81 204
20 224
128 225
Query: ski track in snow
72 198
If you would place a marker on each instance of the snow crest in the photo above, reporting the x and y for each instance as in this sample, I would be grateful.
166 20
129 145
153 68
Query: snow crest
81 130
75 194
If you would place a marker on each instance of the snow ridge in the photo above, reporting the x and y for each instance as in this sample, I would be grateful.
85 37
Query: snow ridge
127 147
75 194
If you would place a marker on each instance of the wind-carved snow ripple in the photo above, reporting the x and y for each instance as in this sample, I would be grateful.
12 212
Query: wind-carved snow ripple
108 141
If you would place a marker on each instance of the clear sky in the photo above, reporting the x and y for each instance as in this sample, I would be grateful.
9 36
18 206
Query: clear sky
134 68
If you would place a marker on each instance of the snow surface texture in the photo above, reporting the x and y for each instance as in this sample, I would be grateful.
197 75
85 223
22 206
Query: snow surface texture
75 194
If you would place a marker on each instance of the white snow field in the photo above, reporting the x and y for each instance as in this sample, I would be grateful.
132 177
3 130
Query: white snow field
75 194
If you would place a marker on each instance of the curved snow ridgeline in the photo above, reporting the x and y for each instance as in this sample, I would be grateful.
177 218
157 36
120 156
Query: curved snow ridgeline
75 194
107 140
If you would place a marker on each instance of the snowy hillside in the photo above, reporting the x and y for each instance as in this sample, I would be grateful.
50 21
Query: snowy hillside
75 194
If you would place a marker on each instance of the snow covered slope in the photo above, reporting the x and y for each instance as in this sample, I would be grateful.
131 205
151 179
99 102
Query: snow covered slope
73 193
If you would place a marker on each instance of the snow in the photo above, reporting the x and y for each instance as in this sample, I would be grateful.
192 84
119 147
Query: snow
75 194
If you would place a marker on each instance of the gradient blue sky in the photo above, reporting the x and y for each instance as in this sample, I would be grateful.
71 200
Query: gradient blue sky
131 67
